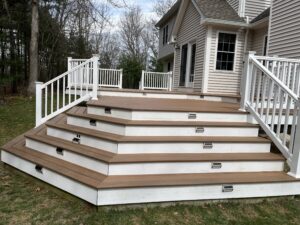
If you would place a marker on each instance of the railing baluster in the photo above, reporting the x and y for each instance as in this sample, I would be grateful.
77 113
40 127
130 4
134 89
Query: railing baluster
64 91
279 121
57 94
287 117
46 101
51 97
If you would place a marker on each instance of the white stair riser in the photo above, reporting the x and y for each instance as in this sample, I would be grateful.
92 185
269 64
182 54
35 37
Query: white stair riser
131 130
159 147
197 192
71 186
168 116
69 156
192 147
84 139
193 167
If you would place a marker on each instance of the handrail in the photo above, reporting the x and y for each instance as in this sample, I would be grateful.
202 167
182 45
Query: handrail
277 59
273 77
68 72
274 106
56 96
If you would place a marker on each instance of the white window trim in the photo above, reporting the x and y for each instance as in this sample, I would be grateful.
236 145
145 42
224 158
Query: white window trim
216 51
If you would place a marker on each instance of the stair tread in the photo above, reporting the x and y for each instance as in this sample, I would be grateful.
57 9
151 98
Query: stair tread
160 157
73 171
100 181
82 113
171 105
61 124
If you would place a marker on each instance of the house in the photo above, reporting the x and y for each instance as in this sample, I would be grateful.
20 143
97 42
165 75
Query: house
184 136
204 42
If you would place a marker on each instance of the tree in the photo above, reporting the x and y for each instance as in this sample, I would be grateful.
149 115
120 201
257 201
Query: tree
161 7
34 54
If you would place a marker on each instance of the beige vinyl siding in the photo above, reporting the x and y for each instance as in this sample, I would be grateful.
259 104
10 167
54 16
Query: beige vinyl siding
189 31
165 50
226 82
285 29
258 40
255 7
234 4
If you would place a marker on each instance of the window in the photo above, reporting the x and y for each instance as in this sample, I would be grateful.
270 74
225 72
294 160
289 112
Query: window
165 34
226 51
193 59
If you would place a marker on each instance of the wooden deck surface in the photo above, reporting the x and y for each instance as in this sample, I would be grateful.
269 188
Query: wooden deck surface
169 105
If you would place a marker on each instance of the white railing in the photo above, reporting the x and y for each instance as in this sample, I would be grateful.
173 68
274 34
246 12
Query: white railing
286 70
55 96
107 77
156 81
273 104
110 78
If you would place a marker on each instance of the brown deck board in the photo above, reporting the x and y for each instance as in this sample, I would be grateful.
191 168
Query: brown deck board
82 113
61 124
194 179
170 105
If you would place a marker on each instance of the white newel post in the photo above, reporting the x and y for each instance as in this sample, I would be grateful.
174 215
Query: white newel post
295 162
142 80
246 80
69 68
38 103
95 77
170 81
121 79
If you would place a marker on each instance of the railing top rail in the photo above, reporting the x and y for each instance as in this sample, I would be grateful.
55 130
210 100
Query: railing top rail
66 73
78 60
277 59
274 78
158 72
110 69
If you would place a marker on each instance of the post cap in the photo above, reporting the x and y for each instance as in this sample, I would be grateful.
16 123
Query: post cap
38 82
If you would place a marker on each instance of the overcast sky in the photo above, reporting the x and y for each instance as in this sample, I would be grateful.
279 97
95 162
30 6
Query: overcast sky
145 5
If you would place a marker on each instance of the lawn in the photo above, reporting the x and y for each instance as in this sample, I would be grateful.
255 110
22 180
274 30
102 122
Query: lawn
24 200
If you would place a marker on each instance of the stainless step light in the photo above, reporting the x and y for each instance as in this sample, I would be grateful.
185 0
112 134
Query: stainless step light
107 110
93 123
227 188
39 168
59 151
76 139
192 116
207 145
216 165
199 130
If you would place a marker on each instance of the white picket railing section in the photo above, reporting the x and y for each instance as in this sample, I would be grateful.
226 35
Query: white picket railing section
156 81
286 70
107 77
273 104
110 78
55 97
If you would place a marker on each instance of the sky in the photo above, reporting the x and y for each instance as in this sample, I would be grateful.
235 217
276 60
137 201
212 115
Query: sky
145 5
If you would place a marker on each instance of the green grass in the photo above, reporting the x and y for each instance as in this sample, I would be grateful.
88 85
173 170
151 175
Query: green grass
24 200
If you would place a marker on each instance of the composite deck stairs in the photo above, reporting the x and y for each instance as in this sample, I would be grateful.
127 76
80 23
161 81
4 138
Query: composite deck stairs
121 150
